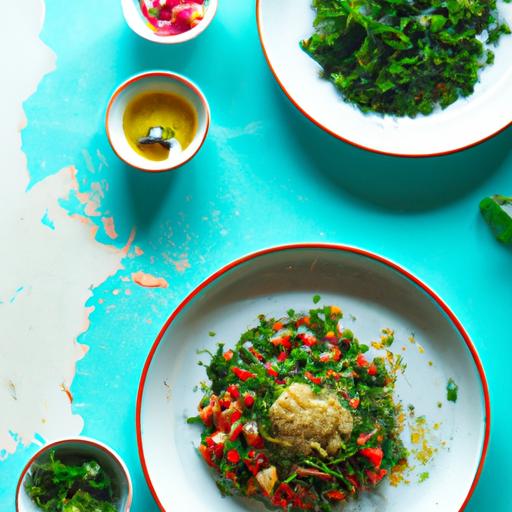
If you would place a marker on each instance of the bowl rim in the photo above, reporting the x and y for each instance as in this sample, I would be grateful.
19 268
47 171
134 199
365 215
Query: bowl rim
184 37
83 440
351 142
162 74
328 246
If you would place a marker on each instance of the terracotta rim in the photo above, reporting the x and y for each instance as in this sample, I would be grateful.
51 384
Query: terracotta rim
82 440
348 141
162 74
335 247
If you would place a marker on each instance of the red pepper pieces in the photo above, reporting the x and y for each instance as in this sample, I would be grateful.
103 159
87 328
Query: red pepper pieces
376 477
229 355
284 341
233 391
335 495
271 371
361 361
372 370
277 326
374 455
235 432
256 354
312 378
243 375
364 438
336 354
248 400
354 402
283 356
233 456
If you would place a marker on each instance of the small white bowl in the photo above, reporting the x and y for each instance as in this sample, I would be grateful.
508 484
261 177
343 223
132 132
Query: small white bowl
155 81
136 21
88 448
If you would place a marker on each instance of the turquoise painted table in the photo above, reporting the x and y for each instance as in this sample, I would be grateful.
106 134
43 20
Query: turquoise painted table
265 176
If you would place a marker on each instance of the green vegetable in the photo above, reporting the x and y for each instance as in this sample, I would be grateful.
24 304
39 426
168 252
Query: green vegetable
452 391
239 441
404 57
316 299
58 487
497 211
423 476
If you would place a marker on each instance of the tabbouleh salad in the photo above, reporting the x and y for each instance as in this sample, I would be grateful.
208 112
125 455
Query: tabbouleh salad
297 416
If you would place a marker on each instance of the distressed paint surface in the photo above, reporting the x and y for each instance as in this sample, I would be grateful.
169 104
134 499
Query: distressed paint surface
78 325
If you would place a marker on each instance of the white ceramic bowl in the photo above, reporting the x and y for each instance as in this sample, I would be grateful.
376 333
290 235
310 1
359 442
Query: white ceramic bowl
379 294
88 448
463 124
155 81
136 21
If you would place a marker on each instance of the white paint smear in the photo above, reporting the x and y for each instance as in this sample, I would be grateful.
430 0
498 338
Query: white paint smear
47 276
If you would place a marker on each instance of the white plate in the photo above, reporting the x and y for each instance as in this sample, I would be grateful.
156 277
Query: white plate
283 23
379 294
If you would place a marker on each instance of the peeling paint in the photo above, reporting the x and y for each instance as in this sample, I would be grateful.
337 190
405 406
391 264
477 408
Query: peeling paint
149 281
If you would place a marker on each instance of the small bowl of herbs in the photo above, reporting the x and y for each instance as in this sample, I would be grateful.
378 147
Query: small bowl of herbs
74 475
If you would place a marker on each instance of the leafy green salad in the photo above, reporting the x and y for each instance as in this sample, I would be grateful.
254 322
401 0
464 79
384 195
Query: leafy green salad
55 486
297 416
404 57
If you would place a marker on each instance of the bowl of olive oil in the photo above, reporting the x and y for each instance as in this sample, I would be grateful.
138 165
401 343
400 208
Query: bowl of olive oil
157 121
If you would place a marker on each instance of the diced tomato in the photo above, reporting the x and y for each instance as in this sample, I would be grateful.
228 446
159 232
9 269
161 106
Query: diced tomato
283 356
206 415
248 400
231 476
236 430
229 355
255 463
307 339
325 358
374 455
233 391
252 488
361 361
233 456
354 481
312 378
225 403
364 438
271 371
284 341
256 354
354 403
336 354
243 375
277 326
335 495
282 496
207 455
376 477
372 370
235 416
302 321
333 374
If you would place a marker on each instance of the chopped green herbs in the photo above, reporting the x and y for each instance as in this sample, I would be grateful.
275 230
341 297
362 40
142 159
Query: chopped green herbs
316 299
404 57
423 476
298 416
497 212
452 391
58 487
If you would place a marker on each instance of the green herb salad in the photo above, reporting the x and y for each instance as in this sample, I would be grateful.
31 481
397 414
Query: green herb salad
297 416
404 57
56 486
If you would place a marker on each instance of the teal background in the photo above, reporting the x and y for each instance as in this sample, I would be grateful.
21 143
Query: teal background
265 176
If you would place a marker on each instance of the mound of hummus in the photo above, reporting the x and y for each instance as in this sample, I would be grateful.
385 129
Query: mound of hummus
307 422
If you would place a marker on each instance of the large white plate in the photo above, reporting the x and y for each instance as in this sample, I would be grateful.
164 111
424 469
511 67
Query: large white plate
378 294
283 23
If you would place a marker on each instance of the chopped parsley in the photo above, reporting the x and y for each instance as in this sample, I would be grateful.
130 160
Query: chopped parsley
55 486
452 391
404 57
